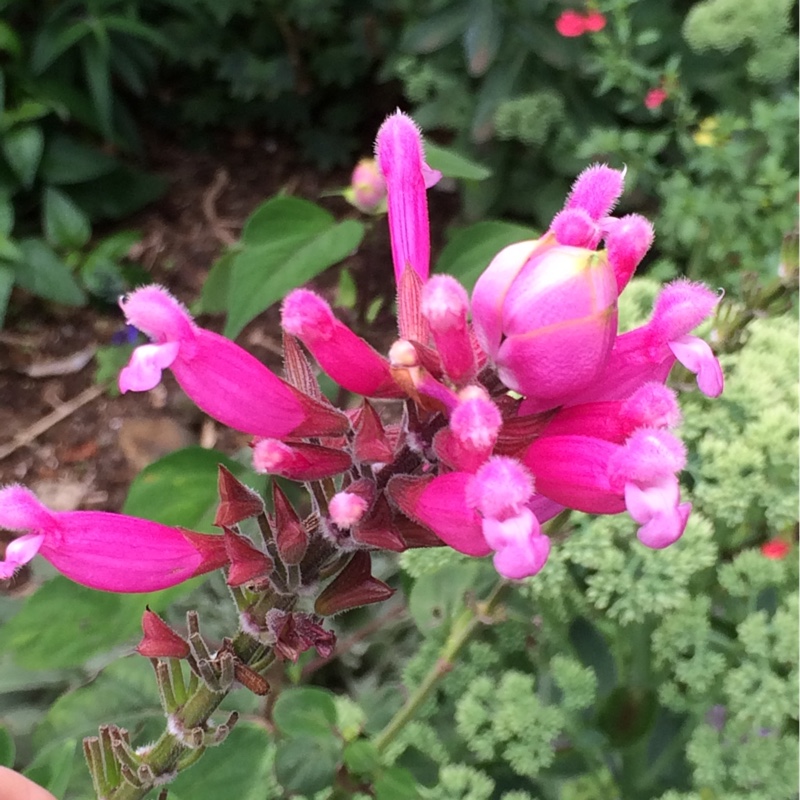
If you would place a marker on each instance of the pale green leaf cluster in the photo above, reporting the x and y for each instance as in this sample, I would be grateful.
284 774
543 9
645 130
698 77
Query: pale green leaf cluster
529 118
744 443
578 684
726 25
505 717
460 782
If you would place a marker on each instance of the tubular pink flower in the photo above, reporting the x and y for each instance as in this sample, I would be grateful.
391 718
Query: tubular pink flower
399 151
600 477
221 378
101 550
298 461
445 305
574 227
650 406
648 353
521 549
441 505
347 358
556 306
501 488
596 191
627 241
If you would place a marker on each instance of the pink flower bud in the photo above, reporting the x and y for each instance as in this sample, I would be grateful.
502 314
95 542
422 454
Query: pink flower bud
399 151
367 190
101 550
347 358
346 509
501 488
594 21
627 241
571 24
222 379
298 461
655 98
574 227
445 305
596 191
547 315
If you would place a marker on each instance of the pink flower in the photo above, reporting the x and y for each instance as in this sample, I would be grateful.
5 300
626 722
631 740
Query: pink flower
298 461
776 549
600 477
367 189
111 552
220 377
571 24
546 315
399 151
347 358
655 97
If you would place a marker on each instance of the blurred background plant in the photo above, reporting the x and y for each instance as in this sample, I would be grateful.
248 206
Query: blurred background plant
615 673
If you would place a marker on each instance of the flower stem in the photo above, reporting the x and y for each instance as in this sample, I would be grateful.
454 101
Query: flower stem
463 627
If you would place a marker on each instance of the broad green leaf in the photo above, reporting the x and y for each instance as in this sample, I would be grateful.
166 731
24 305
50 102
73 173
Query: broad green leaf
53 765
294 249
470 250
8 749
221 773
118 193
125 692
453 165
434 32
482 38
67 161
22 147
9 250
6 285
26 111
361 757
103 278
437 597
44 274
214 296
307 765
305 711
65 226
6 215
42 636
181 488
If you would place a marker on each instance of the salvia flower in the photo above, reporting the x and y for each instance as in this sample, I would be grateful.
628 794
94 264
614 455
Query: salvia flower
222 379
518 402
101 550
367 190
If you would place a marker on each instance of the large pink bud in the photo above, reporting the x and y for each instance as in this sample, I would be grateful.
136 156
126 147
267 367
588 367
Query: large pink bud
546 314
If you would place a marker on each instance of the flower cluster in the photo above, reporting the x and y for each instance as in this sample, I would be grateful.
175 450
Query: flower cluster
487 417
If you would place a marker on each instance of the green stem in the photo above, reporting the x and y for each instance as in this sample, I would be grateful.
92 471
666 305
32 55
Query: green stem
461 632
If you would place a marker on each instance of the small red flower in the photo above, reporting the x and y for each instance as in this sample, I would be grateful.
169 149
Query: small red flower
655 97
594 21
776 549
571 24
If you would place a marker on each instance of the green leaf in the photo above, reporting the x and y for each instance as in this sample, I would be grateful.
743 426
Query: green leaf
214 295
9 41
26 111
52 41
23 147
307 765
470 250
453 165
438 596
53 765
305 711
67 161
125 691
361 757
220 772
44 274
396 783
181 488
118 193
482 38
9 250
6 215
40 636
8 749
65 226
296 241
6 285
97 69
434 32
